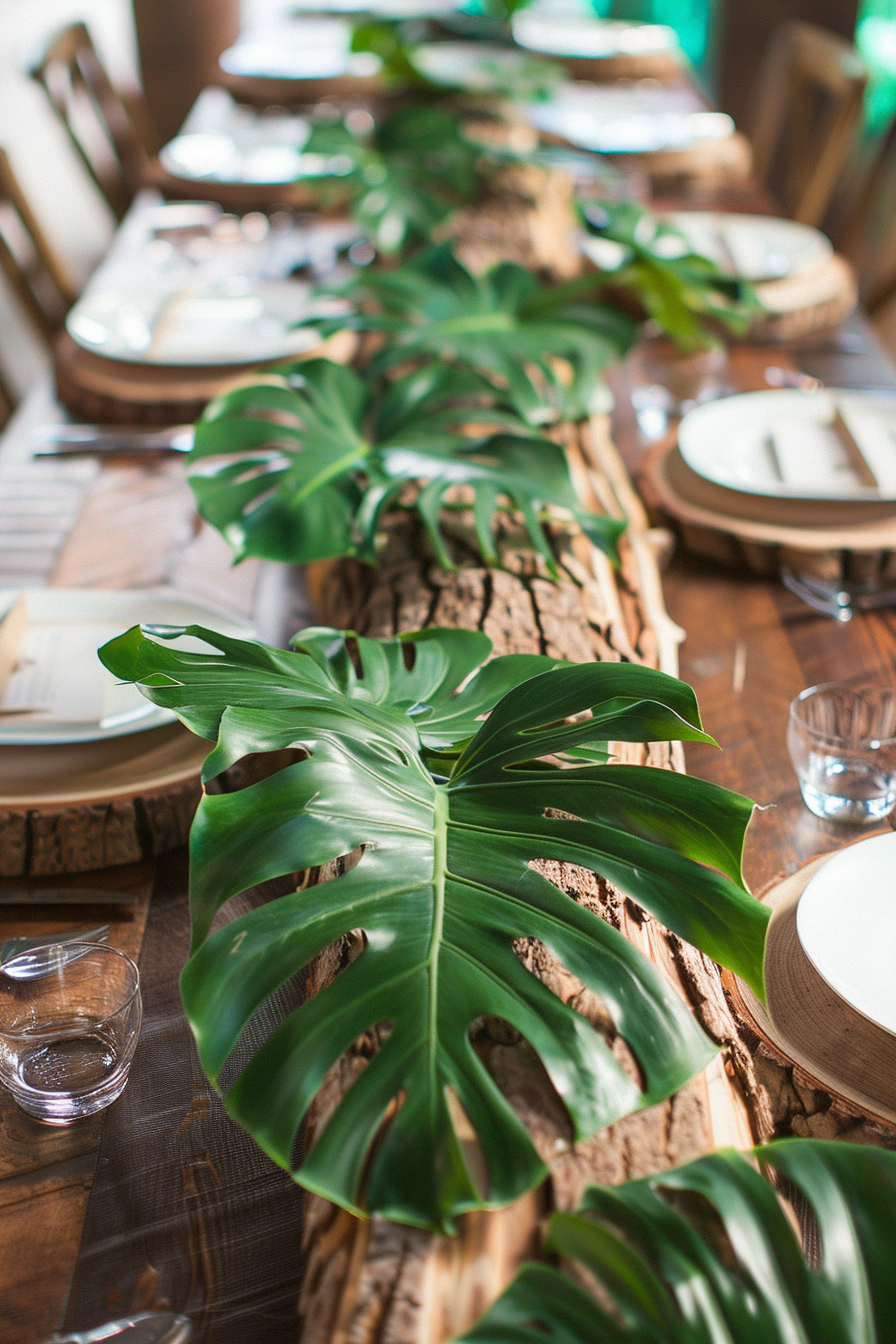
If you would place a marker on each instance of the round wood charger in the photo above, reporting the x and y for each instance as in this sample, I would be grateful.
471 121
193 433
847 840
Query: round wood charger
79 806
112 391
735 527
805 1022
662 65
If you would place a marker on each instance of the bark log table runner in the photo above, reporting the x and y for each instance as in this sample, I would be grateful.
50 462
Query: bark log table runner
375 1281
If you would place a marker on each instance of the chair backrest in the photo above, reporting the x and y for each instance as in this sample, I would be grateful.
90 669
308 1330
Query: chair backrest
28 261
99 123
809 101
7 401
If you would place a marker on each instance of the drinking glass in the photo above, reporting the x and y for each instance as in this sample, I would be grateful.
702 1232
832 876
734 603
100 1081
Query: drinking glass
842 742
70 1015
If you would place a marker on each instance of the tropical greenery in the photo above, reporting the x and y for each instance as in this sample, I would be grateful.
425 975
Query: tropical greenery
705 1254
447 808
400 176
651 259
545 345
306 460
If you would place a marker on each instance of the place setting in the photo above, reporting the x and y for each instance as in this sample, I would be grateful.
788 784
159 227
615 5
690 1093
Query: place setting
831 947
188 297
73 740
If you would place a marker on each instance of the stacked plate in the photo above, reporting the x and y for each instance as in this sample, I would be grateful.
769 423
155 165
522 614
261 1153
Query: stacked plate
70 734
831 987
811 470
186 285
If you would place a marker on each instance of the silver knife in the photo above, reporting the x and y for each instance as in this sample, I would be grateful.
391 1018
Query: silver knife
68 440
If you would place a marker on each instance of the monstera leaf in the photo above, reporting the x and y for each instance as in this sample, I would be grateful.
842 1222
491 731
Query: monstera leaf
449 808
706 1255
401 176
544 346
312 458
679 289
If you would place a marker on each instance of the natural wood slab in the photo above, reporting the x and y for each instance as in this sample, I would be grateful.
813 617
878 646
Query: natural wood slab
86 805
807 1024
372 1282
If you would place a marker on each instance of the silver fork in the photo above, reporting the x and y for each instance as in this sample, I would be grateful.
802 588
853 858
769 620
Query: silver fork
13 946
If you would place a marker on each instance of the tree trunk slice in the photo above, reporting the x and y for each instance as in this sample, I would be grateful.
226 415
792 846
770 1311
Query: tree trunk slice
852 540
818 1042
113 391
86 805
372 1282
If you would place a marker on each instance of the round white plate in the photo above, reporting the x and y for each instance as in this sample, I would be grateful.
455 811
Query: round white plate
783 444
846 922
77 621
753 247
575 35
316 47
479 66
623 119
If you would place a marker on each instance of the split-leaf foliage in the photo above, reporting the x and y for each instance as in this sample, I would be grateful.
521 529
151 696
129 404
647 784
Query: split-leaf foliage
545 345
403 176
682 292
450 776
307 459
705 1254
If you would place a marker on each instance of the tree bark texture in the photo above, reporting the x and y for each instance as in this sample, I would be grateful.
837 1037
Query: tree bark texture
372 1282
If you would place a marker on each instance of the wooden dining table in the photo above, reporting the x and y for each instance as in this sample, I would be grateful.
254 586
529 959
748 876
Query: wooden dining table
161 1201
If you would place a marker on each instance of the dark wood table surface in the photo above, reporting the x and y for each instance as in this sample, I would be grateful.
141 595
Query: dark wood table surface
161 1200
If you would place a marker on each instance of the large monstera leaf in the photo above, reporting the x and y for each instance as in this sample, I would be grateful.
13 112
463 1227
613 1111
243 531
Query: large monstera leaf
545 345
312 456
450 796
403 175
676 1276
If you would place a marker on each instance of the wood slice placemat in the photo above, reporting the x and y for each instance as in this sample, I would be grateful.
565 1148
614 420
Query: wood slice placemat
113 391
811 301
86 805
808 1024
738 528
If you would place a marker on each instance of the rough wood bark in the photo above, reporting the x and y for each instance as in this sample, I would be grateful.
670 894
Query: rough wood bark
376 1283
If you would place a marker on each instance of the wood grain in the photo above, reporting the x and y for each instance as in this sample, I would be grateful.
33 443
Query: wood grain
372 1283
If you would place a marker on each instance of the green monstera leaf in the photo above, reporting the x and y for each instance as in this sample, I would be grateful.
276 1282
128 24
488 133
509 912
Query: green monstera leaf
544 346
680 290
738 1276
403 175
308 458
449 794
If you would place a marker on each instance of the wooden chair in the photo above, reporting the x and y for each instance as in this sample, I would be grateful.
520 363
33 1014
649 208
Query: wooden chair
112 137
30 264
809 101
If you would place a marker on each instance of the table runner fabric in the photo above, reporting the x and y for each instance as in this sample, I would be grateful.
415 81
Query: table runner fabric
185 1210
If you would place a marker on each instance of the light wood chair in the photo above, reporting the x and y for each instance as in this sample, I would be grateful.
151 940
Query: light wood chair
112 136
35 273
808 105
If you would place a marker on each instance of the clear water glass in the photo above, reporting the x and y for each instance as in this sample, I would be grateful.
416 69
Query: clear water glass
70 1016
842 742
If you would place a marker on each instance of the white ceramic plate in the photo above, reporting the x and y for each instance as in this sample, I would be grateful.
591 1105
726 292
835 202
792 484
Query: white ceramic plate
783 444
577 35
480 66
846 922
753 247
623 119
182 288
316 47
62 676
